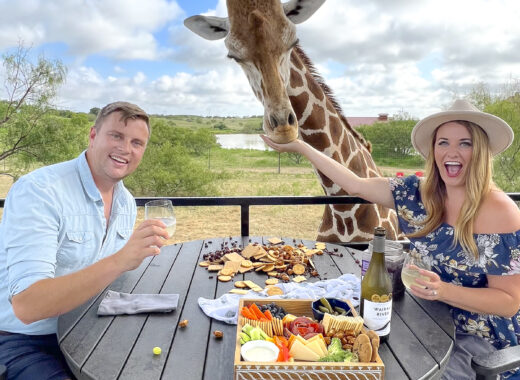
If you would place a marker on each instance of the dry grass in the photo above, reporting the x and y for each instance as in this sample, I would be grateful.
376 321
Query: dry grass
295 221
203 222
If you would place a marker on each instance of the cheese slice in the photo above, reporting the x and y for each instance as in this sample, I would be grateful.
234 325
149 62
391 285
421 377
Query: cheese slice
300 352
315 346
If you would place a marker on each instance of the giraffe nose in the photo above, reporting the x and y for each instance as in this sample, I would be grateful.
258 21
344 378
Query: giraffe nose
285 118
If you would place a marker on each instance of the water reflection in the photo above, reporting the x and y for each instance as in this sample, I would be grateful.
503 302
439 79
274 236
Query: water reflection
242 141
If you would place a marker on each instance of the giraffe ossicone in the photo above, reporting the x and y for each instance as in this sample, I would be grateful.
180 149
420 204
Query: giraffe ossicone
260 36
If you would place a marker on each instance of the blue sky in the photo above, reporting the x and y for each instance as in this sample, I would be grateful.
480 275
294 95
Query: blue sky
376 55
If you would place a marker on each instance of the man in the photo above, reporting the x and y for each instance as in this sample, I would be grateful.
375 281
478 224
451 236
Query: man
66 233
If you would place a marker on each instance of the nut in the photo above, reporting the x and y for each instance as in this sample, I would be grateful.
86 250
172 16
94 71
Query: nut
183 323
218 334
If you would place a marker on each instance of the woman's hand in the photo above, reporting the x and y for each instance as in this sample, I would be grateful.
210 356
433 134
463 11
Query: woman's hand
293 146
433 287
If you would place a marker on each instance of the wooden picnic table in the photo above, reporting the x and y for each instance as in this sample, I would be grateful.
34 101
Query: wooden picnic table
120 347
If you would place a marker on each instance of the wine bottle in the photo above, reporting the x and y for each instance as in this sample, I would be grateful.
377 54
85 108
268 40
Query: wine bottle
376 290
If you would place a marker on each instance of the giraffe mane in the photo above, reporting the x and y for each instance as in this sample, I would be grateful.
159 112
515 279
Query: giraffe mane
329 94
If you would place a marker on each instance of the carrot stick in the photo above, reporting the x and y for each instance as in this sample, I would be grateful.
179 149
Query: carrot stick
256 311
246 313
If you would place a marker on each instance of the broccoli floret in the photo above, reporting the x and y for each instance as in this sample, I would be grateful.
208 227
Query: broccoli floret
334 346
335 357
335 352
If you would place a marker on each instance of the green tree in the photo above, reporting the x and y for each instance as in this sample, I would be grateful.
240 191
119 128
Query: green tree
94 111
170 167
30 88
507 164
391 142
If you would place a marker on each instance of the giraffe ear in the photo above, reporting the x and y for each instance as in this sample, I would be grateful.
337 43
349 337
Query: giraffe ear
208 27
300 10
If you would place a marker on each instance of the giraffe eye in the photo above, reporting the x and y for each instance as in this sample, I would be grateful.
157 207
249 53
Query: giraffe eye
236 59
294 44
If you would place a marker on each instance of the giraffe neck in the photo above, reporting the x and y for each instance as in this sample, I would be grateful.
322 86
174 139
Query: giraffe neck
323 126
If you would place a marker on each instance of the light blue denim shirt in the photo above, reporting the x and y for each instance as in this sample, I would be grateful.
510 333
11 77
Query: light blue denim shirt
54 224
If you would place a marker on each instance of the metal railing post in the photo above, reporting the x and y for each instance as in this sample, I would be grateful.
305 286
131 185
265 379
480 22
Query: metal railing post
244 220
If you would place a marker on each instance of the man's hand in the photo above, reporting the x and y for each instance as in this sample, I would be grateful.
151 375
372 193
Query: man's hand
146 241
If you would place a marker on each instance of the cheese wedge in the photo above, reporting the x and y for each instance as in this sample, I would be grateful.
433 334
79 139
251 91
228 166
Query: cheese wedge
316 347
300 352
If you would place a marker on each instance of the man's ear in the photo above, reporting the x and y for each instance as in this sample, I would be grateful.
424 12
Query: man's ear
92 134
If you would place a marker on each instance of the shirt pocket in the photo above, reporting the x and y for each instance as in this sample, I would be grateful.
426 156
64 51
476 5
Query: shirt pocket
122 236
124 233
75 251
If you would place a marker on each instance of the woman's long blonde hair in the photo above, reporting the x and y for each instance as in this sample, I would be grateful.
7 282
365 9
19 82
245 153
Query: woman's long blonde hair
479 182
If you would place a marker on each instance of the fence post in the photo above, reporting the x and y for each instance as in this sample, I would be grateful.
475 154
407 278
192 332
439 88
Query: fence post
244 220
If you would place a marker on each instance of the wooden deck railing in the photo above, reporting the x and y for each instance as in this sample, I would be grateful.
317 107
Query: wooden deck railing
246 202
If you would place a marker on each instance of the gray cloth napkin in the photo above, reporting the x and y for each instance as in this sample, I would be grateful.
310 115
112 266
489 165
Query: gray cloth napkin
115 303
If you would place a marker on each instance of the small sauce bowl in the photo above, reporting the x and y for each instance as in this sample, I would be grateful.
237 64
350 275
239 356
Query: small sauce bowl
259 351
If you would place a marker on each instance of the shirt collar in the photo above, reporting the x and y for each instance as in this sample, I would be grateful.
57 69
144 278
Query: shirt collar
86 177
90 186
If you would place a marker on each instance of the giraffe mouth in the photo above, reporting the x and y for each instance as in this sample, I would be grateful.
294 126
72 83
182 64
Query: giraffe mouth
283 134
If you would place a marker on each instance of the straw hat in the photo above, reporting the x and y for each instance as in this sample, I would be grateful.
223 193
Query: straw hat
499 132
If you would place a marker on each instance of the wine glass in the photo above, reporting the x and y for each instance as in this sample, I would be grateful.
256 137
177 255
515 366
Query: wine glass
413 262
161 209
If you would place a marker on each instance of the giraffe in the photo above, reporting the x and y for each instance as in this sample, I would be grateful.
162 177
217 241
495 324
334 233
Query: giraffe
260 36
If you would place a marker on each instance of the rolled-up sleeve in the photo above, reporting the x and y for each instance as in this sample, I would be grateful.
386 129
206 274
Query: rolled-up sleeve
30 235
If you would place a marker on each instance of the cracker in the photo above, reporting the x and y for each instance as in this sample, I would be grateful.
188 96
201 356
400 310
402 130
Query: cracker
224 278
251 250
215 268
235 257
244 270
271 281
204 264
274 240
274 290
246 264
299 279
298 269
320 246
226 272
240 284
239 291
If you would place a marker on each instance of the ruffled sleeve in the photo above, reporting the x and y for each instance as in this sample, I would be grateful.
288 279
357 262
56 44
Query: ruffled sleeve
407 200
499 254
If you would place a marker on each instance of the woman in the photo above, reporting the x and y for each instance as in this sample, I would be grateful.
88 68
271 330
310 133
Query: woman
458 221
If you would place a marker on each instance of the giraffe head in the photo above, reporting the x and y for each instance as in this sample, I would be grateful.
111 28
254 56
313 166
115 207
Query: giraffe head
259 36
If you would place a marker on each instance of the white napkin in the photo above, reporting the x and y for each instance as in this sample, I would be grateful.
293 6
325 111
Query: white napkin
225 308
115 303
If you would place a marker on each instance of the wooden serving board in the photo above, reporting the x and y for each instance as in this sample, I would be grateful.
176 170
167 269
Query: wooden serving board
300 370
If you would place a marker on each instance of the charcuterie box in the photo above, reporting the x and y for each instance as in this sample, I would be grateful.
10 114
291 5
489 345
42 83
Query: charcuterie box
298 370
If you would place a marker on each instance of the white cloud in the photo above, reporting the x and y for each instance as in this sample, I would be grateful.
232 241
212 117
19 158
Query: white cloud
122 29
376 55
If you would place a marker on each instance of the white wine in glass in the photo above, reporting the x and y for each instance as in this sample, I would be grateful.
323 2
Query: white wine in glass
411 266
161 209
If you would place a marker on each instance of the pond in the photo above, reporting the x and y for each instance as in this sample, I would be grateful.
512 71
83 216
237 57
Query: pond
241 141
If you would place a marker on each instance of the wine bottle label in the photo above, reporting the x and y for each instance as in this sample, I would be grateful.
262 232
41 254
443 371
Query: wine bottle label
377 316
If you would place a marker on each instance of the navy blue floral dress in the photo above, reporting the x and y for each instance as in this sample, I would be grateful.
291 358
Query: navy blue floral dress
499 255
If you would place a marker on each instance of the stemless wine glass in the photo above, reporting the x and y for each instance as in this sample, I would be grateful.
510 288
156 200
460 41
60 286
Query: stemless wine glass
413 262
161 209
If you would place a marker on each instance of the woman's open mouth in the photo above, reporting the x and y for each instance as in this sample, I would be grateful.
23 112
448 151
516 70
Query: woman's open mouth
453 168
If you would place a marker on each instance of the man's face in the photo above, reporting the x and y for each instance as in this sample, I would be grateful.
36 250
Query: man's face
116 149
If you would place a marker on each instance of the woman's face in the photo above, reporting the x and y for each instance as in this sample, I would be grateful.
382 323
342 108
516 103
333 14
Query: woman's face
452 150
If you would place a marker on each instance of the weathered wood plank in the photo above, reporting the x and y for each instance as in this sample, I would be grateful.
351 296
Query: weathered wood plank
159 329
433 338
188 352
112 351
